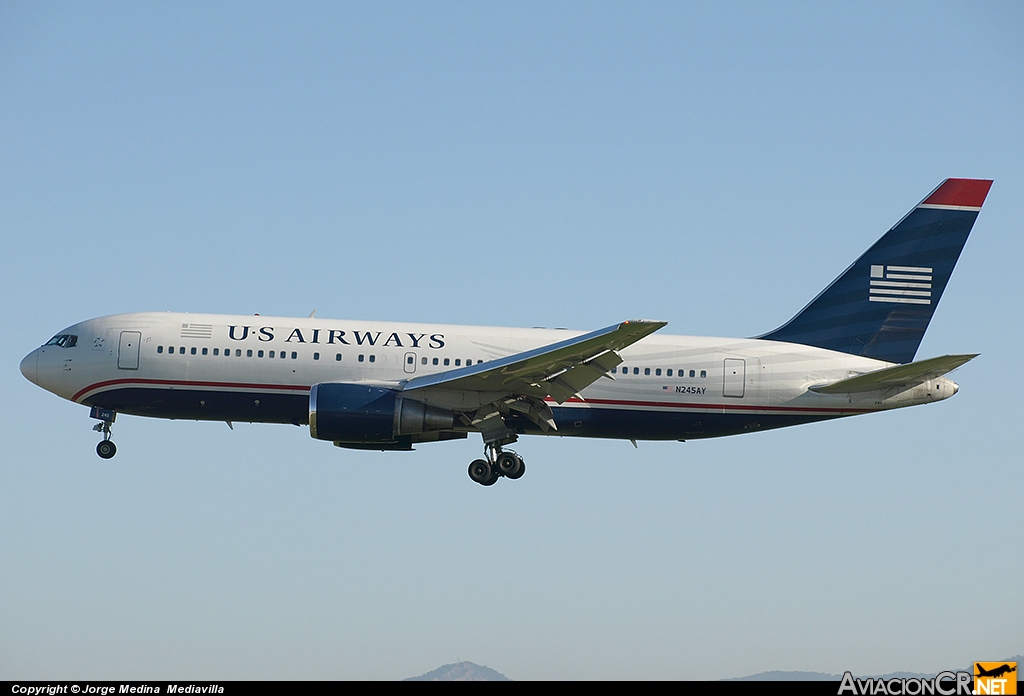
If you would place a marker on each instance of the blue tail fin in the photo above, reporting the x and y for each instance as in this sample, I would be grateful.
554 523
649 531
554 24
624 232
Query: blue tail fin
881 305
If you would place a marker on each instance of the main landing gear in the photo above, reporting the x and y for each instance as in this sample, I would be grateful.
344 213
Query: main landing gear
106 448
497 463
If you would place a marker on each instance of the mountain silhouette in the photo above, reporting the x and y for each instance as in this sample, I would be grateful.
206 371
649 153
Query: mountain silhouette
461 671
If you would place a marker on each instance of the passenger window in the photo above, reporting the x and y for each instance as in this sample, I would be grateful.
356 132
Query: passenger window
316 356
373 358
193 350
216 351
446 362
159 349
337 357
636 370
703 373
423 361
248 353
362 357
614 369
259 354
457 362
435 361
271 354
238 352
294 355
283 355
693 373
647 371
668 372
181 350
410 360
170 350
205 351
658 372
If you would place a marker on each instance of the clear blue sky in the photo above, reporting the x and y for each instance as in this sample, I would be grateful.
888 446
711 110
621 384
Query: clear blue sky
713 165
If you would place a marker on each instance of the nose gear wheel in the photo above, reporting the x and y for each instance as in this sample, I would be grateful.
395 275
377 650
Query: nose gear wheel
106 448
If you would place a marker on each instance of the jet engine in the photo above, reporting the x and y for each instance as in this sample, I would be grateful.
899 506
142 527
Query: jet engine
354 415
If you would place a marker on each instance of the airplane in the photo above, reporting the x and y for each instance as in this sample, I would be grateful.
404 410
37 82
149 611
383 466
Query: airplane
994 672
389 386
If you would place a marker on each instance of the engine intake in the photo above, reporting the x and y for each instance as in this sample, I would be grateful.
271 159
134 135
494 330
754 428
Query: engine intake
365 414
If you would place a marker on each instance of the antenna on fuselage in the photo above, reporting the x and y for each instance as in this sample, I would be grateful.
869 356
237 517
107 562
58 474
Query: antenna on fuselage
312 314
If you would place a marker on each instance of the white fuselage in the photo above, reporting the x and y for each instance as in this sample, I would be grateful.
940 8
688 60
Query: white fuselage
260 369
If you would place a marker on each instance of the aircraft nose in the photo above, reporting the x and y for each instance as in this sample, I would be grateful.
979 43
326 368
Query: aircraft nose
956 387
30 365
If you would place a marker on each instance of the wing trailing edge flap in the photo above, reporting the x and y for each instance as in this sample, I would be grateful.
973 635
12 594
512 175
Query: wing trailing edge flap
560 371
569 382
908 375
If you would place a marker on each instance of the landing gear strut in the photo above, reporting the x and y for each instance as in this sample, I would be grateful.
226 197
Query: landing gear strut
106 448
498 463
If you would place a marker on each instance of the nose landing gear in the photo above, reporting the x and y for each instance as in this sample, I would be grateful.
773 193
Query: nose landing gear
106 448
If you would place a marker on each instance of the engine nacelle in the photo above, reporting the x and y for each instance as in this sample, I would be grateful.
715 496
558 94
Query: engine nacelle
365 414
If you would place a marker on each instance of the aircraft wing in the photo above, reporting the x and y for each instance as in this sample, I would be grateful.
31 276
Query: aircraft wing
907 375
559 370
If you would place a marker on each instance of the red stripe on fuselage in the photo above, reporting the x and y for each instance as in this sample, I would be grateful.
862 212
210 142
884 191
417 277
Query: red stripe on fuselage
185 383
721 407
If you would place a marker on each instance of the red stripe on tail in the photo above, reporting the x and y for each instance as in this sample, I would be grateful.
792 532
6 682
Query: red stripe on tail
969 193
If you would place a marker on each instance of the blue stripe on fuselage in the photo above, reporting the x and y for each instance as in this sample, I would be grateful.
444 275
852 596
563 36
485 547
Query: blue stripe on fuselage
597 422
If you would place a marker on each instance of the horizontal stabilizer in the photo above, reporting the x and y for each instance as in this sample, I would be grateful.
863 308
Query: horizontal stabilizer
908 375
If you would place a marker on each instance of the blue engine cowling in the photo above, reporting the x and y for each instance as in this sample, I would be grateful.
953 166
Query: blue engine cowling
363 414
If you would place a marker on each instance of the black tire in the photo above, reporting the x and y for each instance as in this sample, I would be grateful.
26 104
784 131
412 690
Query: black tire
481 472
106 449
522 470
509 465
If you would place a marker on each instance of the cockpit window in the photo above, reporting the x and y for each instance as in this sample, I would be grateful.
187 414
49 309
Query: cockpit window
63 340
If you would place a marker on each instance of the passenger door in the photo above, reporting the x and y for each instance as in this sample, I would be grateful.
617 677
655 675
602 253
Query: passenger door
735 376
128 350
